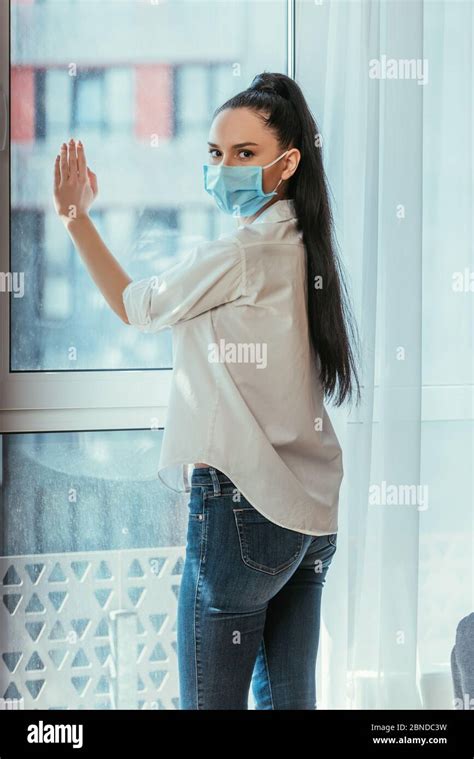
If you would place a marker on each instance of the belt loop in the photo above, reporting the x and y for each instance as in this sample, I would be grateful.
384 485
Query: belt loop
215 481
186 478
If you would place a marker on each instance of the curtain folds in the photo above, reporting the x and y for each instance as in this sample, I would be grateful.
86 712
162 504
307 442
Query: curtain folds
390 84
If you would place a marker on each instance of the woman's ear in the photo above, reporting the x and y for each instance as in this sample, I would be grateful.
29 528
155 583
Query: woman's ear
292 159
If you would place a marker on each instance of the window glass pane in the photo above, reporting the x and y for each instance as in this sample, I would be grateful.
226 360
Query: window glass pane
58 104
140 93
192 93
88 106
92 549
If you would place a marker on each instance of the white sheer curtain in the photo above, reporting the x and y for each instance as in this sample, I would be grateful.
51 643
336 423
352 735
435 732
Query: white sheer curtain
398 154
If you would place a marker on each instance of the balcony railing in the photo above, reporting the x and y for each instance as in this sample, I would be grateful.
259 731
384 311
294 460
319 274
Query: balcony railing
90 630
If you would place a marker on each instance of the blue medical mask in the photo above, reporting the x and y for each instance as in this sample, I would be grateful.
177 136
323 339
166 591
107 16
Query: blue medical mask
238 190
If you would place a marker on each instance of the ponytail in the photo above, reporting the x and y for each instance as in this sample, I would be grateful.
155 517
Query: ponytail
281 103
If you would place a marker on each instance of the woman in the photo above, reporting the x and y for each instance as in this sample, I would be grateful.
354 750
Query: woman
261 334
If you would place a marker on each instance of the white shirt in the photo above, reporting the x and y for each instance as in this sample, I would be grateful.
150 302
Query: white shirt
256 413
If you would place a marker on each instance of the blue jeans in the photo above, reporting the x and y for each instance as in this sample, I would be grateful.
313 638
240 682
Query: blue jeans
249 604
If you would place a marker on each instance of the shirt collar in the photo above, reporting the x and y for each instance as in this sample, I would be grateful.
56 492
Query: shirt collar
282 210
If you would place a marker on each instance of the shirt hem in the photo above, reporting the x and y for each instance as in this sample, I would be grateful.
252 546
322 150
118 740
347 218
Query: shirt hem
205 458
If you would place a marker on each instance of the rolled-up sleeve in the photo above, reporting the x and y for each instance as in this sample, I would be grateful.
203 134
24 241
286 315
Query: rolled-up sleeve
211 274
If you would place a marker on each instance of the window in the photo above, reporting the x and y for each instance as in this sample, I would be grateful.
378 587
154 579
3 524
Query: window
92 547
144 124
95 565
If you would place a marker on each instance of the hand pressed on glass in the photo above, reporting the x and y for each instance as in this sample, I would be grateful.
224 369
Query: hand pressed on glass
75 189
75 185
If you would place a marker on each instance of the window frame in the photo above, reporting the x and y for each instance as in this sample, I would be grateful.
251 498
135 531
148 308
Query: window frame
91 400
81 399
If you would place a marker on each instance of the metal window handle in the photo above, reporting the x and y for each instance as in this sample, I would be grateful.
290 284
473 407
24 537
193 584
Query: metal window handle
4 118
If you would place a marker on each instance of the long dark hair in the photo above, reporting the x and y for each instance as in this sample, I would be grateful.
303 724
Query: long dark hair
330 321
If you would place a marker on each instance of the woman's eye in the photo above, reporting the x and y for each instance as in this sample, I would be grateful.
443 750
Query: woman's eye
211 151
248 152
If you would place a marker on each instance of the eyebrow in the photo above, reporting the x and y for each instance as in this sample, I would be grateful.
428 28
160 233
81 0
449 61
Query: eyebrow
239 144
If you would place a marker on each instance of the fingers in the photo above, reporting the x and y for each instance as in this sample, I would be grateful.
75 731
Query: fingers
81 160
57 172
63 167
93 181
72 158
71 163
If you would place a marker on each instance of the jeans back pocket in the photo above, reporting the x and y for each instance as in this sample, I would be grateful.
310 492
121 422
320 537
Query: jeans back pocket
264 545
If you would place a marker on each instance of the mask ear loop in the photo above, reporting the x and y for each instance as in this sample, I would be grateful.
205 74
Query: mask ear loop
276 159
276 188
271 164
